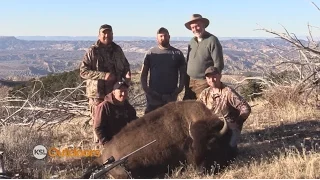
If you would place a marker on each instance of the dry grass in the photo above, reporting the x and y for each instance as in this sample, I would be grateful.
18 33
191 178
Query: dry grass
18 145
4 91
19 142
277 142
290 164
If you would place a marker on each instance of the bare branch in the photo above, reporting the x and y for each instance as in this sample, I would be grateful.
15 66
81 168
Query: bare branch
34 109
293 62
315 5
315 27
24 104
292 40
310 34
253 78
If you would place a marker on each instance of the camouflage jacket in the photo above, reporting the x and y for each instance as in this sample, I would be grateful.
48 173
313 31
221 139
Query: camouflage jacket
98 61
227 103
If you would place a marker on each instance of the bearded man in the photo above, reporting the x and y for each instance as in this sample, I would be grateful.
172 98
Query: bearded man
204 50
167 67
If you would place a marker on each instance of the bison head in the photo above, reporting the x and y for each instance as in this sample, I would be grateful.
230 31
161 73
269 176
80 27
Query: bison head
210 143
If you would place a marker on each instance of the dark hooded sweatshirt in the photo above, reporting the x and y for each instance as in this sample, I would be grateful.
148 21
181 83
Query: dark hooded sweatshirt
110 118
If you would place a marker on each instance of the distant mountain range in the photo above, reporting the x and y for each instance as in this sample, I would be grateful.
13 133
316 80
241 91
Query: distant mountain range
116 38
21 58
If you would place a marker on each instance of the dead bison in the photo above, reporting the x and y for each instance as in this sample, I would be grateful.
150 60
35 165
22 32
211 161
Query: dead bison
185 132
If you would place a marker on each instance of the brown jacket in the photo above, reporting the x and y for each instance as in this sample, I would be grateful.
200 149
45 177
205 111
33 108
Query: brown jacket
98 61
111 118
227 103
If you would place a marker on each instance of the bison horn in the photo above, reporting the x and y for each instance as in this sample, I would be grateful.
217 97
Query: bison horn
224 128
190 131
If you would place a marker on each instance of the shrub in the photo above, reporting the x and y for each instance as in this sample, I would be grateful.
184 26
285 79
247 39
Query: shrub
50 85
252 90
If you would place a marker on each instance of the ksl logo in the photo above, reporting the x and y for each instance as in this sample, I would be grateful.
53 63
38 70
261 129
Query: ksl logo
40 152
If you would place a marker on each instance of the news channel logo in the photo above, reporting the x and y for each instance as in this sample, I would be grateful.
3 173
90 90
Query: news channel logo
40 152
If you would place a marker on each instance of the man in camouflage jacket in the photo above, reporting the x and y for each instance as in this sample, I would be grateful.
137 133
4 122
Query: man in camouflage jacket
103 64
226 103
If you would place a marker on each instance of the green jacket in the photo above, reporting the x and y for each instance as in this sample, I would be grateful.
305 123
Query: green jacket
203 54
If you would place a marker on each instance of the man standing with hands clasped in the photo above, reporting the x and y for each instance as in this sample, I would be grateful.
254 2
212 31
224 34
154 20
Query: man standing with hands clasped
204 50
102 66
165 64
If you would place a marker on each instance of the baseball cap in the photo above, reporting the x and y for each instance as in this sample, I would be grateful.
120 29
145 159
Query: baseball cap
118 84
162 30
212 70
104 27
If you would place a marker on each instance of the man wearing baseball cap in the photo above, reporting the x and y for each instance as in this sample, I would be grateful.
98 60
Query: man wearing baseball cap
103 64
113 113
167 68
226 103
204 50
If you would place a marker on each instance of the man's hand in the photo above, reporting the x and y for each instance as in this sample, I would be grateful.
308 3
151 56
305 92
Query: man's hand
128 75
109 77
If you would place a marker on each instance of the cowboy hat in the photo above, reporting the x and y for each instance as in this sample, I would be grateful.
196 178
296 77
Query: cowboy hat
197 17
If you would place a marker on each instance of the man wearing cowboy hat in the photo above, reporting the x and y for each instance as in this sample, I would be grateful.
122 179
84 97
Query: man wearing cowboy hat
204 50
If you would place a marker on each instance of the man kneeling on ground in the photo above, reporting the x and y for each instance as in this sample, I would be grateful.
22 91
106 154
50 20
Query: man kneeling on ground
226 103
113 113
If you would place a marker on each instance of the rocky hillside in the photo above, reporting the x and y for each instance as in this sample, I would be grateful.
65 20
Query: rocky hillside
22 58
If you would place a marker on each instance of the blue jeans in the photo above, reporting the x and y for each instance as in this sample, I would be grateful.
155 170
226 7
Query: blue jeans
236 133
